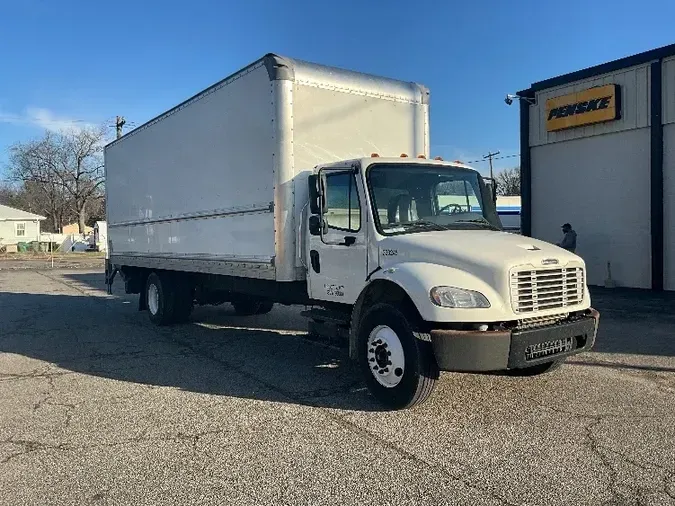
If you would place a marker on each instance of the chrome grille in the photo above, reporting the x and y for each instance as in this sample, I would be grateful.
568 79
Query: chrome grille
541 350
535 290
540 321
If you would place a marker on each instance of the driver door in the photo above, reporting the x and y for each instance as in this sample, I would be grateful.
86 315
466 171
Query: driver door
337 254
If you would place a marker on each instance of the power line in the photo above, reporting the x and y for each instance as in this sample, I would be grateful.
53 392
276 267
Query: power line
495 158
490 156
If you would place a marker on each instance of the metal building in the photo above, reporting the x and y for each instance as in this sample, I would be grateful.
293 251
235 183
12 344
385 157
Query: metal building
598 151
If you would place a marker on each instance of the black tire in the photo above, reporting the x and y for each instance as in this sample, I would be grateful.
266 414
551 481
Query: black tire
537 370
420 371
164 314
252 307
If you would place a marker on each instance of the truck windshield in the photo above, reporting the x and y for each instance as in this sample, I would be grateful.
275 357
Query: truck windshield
416 198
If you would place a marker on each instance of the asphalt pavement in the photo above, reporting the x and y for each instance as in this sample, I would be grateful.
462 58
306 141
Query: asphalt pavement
98 406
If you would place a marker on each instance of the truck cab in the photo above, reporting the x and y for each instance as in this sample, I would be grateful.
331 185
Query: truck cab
414 249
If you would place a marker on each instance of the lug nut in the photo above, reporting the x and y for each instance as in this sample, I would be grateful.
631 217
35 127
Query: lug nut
386 369
388 362
398 371
371 350
373 360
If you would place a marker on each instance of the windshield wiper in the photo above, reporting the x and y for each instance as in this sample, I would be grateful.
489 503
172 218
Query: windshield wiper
481 221
423 224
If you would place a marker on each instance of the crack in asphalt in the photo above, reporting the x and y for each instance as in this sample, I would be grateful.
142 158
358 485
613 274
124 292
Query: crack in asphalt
35 375
190 348
47 395
576 414
30 446
352 427
348 425
174 337
619 497
596 448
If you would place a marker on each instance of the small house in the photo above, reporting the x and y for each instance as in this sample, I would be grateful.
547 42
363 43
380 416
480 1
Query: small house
18 226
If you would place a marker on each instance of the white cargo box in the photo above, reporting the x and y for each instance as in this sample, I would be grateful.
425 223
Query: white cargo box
218 183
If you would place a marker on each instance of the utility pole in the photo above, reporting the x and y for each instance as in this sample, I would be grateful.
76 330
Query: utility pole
119 123
489 156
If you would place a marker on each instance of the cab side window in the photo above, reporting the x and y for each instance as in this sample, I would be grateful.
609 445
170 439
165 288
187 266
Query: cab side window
342 210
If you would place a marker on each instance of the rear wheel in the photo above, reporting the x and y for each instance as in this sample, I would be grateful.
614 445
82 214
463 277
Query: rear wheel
160 299
398 364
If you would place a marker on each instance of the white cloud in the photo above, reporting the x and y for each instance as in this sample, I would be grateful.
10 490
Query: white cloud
39 117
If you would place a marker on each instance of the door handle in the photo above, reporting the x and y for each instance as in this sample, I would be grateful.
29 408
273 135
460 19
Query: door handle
349 240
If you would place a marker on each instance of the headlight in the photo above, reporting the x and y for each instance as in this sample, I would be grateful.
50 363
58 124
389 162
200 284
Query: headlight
448 296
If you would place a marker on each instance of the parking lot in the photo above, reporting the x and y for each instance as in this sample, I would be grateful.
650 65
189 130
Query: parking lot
97 406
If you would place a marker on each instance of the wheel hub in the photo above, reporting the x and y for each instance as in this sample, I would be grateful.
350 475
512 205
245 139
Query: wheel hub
386 358
153 299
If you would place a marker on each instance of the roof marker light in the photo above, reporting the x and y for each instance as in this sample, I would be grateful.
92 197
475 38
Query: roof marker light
421 156
438 158
403 155
374 155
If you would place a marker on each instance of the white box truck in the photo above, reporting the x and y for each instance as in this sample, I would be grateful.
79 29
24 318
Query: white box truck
295 183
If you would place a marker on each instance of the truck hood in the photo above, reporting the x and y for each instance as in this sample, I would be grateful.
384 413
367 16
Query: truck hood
486 254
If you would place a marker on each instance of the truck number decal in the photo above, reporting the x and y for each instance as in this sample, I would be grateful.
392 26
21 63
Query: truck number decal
335 290
389 252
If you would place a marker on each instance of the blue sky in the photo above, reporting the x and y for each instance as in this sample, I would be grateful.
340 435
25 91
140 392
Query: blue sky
88 61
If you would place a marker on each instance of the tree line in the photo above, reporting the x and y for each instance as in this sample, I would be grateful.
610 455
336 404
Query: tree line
59 176
508 182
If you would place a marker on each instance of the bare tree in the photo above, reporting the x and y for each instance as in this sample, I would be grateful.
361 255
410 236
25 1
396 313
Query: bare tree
8 195
508 182
65 168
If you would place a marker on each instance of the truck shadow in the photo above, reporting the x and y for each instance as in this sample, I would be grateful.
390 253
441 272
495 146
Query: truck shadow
264 358
218 353
634 322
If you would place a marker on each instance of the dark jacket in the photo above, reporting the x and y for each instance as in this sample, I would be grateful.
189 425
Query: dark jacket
569 242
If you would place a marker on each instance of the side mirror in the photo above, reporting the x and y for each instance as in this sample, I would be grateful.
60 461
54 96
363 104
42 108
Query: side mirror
314 194
491 185
315 225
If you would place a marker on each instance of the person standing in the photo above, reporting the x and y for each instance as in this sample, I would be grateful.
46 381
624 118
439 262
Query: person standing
569 241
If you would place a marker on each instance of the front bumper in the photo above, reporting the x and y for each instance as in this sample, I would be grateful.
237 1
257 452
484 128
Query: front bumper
476 351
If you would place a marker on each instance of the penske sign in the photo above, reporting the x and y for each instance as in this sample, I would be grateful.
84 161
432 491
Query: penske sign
602 103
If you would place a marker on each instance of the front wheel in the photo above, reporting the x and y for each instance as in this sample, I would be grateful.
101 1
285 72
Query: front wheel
398 364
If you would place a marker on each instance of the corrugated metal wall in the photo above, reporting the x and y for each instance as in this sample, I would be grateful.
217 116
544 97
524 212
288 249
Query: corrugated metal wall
634 84
600 183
